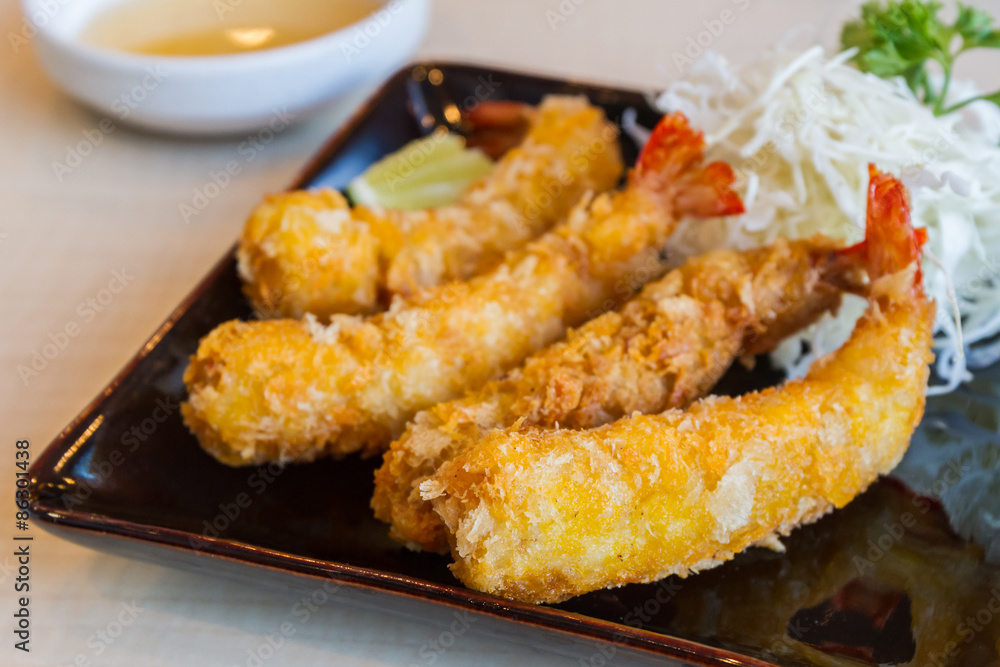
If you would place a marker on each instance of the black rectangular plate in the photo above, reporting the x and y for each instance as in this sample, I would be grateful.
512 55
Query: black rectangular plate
127 473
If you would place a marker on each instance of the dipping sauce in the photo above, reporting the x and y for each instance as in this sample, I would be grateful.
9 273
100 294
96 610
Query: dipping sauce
203 28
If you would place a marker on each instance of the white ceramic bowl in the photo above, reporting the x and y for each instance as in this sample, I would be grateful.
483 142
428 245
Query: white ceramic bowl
219 94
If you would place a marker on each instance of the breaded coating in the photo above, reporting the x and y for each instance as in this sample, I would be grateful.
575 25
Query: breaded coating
541 516
310 252
295 391
667 347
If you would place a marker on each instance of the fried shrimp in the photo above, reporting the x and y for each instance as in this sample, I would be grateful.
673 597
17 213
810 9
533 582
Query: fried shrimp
667 347
294 391
541 516
310 252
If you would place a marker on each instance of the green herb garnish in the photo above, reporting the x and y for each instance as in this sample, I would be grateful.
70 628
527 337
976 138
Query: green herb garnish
901 38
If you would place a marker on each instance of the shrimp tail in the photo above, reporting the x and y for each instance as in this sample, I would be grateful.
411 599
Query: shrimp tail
496 126
670 162
891 243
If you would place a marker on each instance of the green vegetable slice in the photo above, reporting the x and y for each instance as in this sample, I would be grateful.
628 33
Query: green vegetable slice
428 172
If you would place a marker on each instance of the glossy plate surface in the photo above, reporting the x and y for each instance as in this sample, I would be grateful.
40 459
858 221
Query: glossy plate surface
884 581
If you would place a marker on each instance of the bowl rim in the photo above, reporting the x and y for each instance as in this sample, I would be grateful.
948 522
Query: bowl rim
250 60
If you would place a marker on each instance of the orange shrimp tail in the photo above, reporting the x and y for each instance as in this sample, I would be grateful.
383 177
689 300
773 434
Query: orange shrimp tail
498 114
496 126
672 160
891 243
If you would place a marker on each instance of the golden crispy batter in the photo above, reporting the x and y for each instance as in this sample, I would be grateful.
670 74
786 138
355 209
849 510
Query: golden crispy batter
541 516
309 252
667 347
294 391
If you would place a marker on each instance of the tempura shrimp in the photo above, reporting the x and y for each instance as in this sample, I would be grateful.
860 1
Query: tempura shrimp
310 252
541 516
294 391
667 347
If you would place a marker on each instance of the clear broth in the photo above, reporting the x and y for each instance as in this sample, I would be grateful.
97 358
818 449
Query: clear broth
202 28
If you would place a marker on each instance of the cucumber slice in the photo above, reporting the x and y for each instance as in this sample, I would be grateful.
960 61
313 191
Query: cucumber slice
427 172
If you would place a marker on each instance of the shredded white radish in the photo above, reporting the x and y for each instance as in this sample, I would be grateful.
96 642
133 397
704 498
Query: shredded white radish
800 129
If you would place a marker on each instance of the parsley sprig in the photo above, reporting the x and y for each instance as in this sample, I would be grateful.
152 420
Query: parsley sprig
901 38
